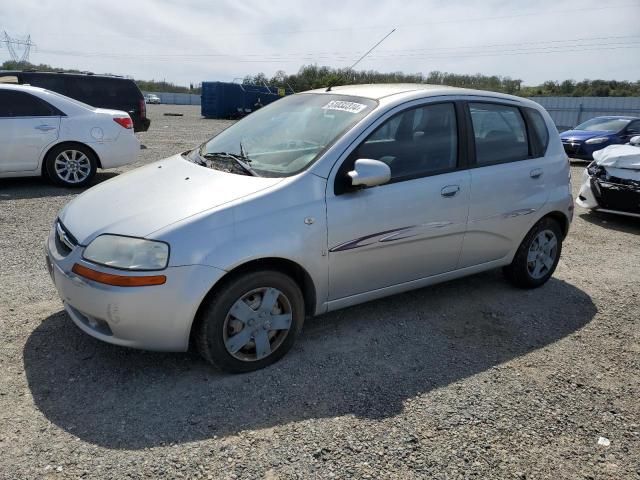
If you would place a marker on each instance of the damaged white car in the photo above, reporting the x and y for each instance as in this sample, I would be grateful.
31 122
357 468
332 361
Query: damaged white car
612 180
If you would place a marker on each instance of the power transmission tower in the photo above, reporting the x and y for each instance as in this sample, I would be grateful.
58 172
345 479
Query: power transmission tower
12 42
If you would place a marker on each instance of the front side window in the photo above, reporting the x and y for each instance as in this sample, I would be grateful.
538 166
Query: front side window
285 137
417 142
500 133
21 104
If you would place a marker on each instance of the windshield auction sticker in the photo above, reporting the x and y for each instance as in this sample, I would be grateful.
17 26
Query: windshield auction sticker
351 107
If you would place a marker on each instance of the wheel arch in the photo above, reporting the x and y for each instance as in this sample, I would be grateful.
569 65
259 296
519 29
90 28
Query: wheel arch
69 143
298 273
562 220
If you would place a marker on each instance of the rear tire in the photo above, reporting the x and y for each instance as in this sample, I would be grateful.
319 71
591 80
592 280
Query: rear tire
537 256
250 322
71 165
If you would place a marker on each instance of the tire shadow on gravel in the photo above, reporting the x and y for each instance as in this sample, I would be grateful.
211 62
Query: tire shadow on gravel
38 187
365 361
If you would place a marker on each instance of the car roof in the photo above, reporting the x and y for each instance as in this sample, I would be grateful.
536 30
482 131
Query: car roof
15 86
68 74
410 90
616 117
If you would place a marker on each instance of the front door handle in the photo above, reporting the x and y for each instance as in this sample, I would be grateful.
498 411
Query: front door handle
44 128
535 173
450 190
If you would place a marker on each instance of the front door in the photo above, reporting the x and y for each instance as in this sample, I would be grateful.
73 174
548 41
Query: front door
27 126
411 227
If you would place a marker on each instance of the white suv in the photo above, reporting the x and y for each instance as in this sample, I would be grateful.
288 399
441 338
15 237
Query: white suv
315 202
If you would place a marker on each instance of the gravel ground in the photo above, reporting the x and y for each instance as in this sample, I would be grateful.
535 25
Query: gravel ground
468 379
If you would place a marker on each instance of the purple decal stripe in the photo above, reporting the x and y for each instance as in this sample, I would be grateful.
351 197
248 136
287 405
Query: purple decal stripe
362 241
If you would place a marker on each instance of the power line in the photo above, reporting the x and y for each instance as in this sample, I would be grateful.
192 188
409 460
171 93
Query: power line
578 11
447 52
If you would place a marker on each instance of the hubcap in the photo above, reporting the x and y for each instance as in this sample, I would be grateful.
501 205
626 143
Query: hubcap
542 254
257 324
72 166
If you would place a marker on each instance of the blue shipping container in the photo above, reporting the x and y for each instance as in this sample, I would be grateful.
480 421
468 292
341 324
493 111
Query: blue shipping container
233 100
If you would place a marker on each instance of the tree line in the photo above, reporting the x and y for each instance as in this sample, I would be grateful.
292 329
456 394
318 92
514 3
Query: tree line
314 76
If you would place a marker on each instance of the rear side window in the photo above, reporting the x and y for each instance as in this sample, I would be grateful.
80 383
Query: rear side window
500 133
51 82
21 104
538 132
103 92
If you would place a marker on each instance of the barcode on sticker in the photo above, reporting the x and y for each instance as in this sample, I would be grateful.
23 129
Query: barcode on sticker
351 107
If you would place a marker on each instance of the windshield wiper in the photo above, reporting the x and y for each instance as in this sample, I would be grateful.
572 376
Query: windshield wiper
241 160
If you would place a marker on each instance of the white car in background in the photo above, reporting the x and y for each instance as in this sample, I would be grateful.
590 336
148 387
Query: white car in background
152 98
611 183
45 133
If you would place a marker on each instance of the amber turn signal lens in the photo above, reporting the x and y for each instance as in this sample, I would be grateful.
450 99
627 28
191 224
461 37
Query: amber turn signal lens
118 280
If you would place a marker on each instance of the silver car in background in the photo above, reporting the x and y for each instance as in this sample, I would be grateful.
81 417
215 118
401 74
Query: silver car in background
316 202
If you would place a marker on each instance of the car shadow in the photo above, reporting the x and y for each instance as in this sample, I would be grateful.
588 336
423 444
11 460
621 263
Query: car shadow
38 187
366 361
620 223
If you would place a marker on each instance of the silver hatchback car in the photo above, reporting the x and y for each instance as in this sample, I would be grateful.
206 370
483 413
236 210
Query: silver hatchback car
316 202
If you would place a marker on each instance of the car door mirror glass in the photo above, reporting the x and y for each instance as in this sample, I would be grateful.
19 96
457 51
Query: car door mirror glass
369 173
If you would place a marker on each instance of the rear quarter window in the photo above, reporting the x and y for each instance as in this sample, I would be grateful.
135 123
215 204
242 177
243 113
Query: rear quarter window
539 133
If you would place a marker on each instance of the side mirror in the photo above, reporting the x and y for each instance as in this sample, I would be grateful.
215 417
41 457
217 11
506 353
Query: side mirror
369 173
635 140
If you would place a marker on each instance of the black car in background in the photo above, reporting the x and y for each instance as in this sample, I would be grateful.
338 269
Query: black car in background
101 91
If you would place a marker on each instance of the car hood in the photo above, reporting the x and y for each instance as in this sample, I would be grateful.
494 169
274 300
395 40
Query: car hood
584 134
619 156
149 198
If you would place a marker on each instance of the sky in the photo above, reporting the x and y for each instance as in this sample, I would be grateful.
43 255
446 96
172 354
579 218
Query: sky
190 41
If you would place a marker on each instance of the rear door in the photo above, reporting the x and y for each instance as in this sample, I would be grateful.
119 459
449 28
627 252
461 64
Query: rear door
27 126
507 179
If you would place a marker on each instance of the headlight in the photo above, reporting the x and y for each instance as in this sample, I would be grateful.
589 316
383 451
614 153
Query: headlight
128 253
597 140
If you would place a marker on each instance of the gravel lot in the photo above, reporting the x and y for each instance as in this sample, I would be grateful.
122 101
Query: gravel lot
469 379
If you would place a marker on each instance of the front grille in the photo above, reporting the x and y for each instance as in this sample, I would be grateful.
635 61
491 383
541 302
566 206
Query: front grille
624 197
571 148
65 241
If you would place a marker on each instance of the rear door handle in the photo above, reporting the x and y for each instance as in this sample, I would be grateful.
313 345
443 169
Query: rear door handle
44 128
450 190
536 173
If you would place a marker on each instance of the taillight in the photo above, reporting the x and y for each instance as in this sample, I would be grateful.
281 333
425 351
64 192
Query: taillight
143 109
124 122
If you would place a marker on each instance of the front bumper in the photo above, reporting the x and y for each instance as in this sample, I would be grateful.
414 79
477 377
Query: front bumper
150 318
609 196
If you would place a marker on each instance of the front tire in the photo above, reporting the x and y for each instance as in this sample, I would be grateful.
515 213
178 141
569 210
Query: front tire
250 322
537 256
71 165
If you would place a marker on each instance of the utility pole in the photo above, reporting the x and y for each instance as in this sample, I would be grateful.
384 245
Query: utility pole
11 43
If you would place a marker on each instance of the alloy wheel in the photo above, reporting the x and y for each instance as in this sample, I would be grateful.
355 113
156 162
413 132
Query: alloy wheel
72 166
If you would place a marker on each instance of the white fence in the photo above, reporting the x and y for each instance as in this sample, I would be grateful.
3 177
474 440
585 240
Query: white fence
177 98
568 112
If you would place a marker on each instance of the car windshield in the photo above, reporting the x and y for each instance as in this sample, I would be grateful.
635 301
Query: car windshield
608 124
285 137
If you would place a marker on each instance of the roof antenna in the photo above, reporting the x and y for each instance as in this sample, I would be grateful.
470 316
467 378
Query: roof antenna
362 57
